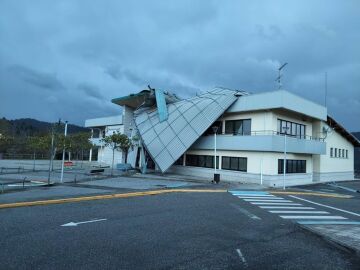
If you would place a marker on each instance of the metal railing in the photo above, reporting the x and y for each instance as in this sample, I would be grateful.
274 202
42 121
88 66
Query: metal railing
269 133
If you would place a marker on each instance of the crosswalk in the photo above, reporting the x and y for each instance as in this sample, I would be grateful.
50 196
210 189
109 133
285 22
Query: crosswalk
290 210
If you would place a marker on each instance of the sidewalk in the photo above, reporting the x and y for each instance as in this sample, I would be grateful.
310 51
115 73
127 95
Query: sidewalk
345 235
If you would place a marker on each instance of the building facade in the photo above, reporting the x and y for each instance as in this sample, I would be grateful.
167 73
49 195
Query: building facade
273 138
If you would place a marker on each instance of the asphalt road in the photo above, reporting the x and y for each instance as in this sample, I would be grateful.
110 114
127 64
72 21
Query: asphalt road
169 231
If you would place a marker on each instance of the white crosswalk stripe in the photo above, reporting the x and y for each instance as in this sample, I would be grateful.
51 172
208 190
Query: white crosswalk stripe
274 203
297 212
257 200
313 217
290 210
286 207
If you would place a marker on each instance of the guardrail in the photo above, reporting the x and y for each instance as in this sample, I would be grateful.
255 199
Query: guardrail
269 133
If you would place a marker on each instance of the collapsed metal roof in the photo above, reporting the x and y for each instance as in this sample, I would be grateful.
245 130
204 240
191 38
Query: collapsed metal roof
187 120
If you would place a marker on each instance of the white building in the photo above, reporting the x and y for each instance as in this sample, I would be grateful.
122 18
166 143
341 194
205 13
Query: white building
255 134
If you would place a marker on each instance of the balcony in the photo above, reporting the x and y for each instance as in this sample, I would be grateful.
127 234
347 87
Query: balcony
264 141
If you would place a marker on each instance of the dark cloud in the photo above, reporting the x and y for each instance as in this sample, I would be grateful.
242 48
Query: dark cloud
90 90
43 80
78 55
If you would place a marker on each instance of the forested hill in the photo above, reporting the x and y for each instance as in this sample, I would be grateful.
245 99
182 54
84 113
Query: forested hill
30 127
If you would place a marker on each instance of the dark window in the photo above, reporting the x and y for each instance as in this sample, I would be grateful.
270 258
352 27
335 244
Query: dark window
343 153
291 129
335 152
201 161
292 166
331 152
180 161
346 152
234 163
238 127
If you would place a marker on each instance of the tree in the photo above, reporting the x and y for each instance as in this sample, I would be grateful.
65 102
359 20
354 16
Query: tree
118 141
38 144
79 142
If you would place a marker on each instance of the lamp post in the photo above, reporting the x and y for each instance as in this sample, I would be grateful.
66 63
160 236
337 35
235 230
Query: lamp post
63 154
284 168
216 175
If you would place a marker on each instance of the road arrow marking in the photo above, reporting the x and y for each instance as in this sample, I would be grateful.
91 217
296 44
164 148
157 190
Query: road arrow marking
70 224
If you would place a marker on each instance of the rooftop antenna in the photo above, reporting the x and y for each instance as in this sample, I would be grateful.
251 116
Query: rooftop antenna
325 87
278 79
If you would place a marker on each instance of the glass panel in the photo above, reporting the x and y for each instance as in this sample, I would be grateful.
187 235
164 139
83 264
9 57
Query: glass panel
229 127
201 162
234 163
243 164
225 163
280 166
293 129
247 127
331 152
209 162
279 126
238 129
303 132
283 126
288 128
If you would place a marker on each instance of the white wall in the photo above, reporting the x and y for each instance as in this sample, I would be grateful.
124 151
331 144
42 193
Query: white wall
331 164
105 156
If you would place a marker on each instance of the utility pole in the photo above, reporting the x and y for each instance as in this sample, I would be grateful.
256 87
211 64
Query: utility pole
63 154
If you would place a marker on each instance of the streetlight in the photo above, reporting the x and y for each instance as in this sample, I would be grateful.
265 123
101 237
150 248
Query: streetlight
284 168
216 175
63 154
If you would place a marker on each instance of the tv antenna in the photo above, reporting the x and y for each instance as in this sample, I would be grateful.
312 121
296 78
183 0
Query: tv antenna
278 79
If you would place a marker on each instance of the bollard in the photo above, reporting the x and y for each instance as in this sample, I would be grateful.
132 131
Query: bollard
24 182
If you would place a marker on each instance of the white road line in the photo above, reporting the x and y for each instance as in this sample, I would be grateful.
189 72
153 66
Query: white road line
328 222
324 205
273 203
254 195
285 207
297 212
245 212
312 217
242 257
258 200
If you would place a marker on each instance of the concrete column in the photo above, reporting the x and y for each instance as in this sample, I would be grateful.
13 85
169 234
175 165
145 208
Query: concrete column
90 155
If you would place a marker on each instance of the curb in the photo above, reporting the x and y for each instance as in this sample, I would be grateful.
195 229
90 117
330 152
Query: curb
338 243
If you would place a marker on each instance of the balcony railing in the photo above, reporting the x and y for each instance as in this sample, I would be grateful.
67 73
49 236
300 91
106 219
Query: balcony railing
269 133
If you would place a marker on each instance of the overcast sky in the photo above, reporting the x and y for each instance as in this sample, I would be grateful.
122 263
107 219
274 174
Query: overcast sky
68 59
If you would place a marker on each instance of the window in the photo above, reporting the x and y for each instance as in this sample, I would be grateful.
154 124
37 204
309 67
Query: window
335 152
346 153
238 127
291 128
292 166
234 163
180 161
201 161
343 153
331 152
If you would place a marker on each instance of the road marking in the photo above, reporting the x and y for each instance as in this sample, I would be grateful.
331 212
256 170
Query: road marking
256 197
108 196
71 224
273 203
245 212
332 195
249 192
322 222
313 217
342 187
286 207
297 212
241 257
324 205
252 195
270 200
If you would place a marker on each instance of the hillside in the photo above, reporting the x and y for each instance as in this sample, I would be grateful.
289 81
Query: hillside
30 127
